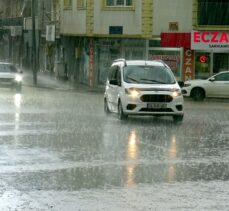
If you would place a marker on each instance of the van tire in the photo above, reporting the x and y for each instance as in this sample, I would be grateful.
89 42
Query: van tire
178 118
106 107
121 115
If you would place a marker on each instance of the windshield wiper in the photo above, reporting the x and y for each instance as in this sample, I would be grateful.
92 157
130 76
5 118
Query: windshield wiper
151 80
132 79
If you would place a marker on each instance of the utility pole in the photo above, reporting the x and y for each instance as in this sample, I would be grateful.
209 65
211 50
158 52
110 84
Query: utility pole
33 44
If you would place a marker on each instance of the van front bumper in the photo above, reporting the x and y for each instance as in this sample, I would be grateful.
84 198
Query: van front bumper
170 106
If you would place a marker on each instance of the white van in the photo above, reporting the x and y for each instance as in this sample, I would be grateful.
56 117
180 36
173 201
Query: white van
139 87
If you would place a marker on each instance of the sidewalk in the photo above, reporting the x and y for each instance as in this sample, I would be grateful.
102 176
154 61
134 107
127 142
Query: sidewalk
48 81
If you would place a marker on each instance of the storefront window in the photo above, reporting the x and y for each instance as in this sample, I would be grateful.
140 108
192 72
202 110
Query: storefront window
212 12
155 43
202 65
170 56
221 62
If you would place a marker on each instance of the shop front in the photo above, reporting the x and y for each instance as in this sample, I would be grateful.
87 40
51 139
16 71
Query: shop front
108 49
174 50
88 59
171 56
211 52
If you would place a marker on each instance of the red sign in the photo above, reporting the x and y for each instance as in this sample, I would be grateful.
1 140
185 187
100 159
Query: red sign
203 59
211 37
176 40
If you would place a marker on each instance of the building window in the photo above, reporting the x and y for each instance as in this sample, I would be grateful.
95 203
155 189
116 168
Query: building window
81 4
67 4
116 3
212 12
173 26
115 30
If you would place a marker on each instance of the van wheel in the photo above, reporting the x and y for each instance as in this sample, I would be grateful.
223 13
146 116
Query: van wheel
178 118
198 94
121 115
106 108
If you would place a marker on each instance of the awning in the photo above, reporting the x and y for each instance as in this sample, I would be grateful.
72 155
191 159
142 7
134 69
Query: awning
176 40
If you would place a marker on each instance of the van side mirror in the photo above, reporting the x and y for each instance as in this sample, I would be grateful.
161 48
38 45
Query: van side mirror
181 83
113 82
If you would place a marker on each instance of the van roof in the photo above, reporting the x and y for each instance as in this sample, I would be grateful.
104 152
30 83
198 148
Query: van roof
140 62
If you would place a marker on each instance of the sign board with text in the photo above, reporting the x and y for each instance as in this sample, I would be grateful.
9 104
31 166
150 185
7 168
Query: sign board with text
50 33
188 65
210 40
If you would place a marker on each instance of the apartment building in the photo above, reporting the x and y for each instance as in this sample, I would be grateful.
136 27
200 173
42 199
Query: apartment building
16 32
210 36
94 33
82 37
11 23
46 34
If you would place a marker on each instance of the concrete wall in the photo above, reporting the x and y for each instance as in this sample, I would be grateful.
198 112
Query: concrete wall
165 11
72 20
130 20
11 8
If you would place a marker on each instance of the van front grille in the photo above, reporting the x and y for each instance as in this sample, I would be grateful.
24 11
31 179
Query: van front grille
156 98
156 110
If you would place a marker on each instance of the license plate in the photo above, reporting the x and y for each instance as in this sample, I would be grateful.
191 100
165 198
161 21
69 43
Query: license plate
156 105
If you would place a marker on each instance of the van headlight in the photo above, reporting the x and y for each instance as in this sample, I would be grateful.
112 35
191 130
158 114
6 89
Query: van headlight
176 93
134 93
18 78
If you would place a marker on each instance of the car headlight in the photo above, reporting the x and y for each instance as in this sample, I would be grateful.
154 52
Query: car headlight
18 78
176 93
134 93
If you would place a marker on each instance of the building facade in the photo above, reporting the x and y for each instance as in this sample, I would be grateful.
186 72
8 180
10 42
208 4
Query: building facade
210 37
80 38
46 34
11 30
94 34
16 32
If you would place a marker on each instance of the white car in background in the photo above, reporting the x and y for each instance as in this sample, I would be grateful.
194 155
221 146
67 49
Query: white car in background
139 87
10 76
216 86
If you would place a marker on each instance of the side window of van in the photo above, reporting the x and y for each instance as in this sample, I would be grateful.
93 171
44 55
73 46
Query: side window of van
118 76
115 74
112 73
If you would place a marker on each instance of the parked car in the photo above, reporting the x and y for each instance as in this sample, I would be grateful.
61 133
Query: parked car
10 76
216 86
139 87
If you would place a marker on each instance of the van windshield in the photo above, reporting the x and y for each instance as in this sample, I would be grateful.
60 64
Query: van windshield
7 68
148 75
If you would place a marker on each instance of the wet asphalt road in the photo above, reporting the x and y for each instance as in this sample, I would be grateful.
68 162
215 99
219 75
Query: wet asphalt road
58 151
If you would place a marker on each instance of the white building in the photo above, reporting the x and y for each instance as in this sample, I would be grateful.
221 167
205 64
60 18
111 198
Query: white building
95 32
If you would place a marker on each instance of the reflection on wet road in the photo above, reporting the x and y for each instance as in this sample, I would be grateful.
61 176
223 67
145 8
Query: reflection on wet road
62 141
